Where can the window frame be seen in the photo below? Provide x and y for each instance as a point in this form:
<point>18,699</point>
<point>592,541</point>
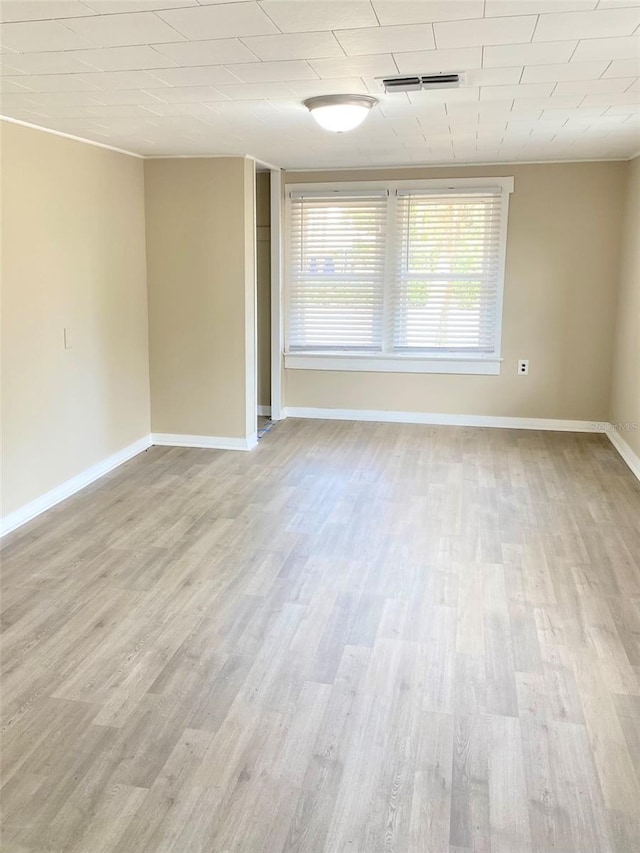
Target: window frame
<point>388,362</point>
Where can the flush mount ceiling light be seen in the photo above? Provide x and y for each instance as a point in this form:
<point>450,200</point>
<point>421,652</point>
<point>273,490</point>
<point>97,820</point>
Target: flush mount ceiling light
<point>340,112</point>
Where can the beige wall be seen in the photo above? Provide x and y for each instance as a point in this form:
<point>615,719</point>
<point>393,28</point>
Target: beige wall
<point>263,275</point>
<point>559,305</point>
<point>72,256</point>
<point>625,382</point>
<point>200,245</point>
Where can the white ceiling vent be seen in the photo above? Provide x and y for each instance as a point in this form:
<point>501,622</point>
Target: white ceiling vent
<point>418,82</point>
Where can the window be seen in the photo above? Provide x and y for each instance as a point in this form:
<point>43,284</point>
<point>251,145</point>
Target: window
<point>397,277</point>
<point>337,272</point>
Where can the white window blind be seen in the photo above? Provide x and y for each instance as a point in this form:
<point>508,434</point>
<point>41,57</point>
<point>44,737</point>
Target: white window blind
<point>399,272</point>
<point>448,270</point>
<point>336,271</point>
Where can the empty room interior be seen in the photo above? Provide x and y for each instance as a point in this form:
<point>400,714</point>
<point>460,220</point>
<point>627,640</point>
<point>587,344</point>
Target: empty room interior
<point>320,367</point>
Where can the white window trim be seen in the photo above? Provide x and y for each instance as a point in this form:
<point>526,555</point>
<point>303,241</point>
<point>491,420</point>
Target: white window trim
<point>444,362</point>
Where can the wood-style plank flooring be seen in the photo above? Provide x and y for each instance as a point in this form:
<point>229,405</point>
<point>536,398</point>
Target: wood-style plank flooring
<point>358,638</point>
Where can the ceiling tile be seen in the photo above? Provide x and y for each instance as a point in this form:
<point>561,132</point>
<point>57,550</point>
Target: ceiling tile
<point>586,25</point>
<point>127,29</point>
<point>189,109</point>
<point>58,83</point>
<point>425,11</point>
<point>531,116</point>
<point>618,68</point>
<point>565,102</point>
<point>439,96</point>
<point>118,80</point>
<point>294,46</point>
<point>97,111</point>
<point>19,100</point>
<point>67,98</point>
<point>41,10</point>
<point>608,48</point>
<point>64,62</point>
<point>208,52</point>
<point>357,66</point>
<point>536,7</point>
<point>186,94</point>
<point>200,75</point>
<point>430,114</point>
<point>371,40</point>
<point>292,16</point>
<point>543,53</point>
<point>563,71</point>
<point>255,91</point>
<point>128,96</point>
<point>530,90</point>
<point>585,117</point>
<point>624,109</point>
<point>8,70</point>
<point>477,109</point>
<point>85,128</point>
<point>37,36</point>
<point>123,58</point>
<point>567,114</point>
<point>274,72</point>
<point>216,22</point>
<point>337,86</point>
<point>396,106</point>
<point>245,108</point>
<point>492,76</point>
<point>593,87</point>
<point>485,31</point>
<point>11,85</point>
<point>613,4</point>
<point>434,61</point>
<point>112,7</point>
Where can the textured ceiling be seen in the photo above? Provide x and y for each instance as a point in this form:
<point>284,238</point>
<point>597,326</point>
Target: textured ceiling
<point>545,79</point>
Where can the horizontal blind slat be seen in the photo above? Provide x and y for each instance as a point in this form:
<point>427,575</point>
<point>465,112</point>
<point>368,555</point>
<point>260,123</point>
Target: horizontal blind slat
<point>447,269</point>
<point>336,259</point>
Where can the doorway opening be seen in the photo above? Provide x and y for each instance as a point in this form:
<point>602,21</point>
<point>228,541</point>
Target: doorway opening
<point>267,366</point>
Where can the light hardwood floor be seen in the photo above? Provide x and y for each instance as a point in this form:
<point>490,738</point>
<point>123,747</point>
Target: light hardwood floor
<point>358,637</point>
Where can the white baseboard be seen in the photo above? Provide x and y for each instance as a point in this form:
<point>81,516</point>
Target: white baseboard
<point>29,511</point>
<point>26,513</point>
<point>209,442</point>
<point>36,507</point>
<point>434,419</point>
<point>264,411</point>
<point>629,456</point>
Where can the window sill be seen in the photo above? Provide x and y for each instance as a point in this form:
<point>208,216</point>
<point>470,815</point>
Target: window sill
<point>466,364</point>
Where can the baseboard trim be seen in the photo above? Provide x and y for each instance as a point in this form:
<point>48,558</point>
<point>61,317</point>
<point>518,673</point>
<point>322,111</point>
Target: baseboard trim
<point>435,419</point>
<point>207,442</point>
<point>629,455</point>
<point>65,490</point>
<point>264,411</point>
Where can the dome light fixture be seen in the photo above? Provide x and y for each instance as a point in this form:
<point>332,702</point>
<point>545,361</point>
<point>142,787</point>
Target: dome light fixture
<point>340,113</point>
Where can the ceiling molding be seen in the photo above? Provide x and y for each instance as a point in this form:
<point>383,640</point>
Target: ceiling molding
<point>71,136</point>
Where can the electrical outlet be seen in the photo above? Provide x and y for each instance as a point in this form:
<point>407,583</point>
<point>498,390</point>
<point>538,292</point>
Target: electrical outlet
<point>523,367</point>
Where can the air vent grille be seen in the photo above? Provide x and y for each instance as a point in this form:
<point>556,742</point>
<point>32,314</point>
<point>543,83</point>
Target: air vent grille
<point>418,82</point>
